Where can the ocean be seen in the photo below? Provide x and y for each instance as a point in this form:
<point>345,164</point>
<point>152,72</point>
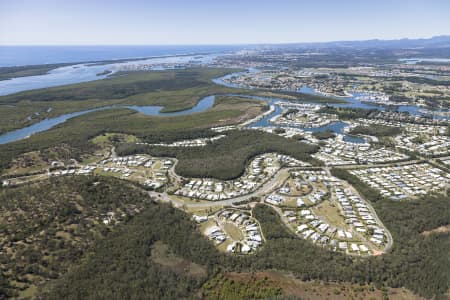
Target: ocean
<point>76,73</point>
<point>36,55</point>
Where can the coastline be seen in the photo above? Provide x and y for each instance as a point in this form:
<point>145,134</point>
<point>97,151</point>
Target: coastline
<point>44,69</point>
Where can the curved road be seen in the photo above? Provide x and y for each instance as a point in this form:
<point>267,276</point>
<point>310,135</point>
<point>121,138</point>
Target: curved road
<point>265,189</point>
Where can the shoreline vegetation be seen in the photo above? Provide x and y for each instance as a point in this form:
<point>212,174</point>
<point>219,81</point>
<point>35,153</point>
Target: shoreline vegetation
<point>7,73</point>
<point>175,90</point>
<point>42,69</point>
<point>106,72</point>
<point>76,133</point>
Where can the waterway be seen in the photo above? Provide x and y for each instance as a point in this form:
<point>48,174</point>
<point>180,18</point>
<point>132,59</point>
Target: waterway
<point>47,124</point>
<point>413,61</point>
<point>350,102</point>
<point>94,71</point>
<point>336,127</point>
<point>206,103</point>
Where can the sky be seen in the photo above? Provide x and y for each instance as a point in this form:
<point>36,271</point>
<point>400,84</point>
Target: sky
<point>190,22</point>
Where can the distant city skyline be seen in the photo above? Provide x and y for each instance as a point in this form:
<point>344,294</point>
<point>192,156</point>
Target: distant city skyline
<point>196,22</point>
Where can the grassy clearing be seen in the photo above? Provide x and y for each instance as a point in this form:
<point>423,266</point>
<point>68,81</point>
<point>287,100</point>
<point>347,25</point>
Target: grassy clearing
<point>204,211</point>
<point>438,230</point>
<point>289,286</point>
<point>203,226</point>
<point>107,139</point>
<point>297,190</point>
<point>233,231</point>
<point>29,292</point>
<point>330,213</point>
<point>188,200</point>
<point>225,287</point>
<point>30,162</point>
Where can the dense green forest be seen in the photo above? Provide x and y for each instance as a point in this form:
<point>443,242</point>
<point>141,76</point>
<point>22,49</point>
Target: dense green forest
<point>347,113</point>
<point>121,267</point>
<point>421,80</point>
<point>47,227</point>
<point>76,134</point>
<point>123,85</point>
<point>369,192</point>
<point>126,265</point>
<point>416,262</point>
<point>376,130</point>
<point>323,135</point>
<point>225,158</point>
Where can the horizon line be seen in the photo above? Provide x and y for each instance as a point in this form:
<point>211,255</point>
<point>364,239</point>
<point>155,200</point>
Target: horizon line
<point>230,44</point>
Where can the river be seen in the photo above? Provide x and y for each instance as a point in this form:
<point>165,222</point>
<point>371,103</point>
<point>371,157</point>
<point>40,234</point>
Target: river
<point>47,124</point>
<point>206,103</point>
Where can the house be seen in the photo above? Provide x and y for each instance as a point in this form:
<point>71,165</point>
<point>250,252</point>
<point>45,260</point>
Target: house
<point>211,230</point>
<point>302,227</point>
<point>200,219</point>
<point>342,245</point>
<point>300,202</point>
<point>354,247</point>
<point>245,248</point>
